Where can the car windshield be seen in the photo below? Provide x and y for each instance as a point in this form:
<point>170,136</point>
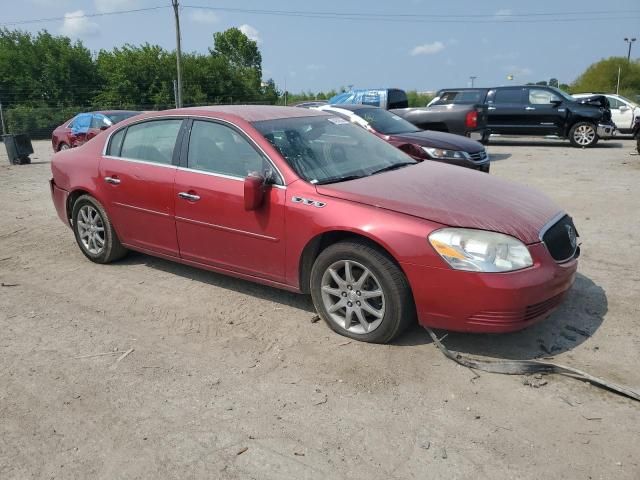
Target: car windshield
<point>385,122</point>
<point>120,116</point>
<point>326,149</point>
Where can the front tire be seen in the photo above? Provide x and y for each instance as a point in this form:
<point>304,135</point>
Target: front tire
<point>94,233</point>
<point>63,146</point>
<point>583,135</point>
<point>361,293</point>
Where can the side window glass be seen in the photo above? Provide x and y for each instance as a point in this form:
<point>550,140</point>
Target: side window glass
<point>115,143</point>
<point>219,149</point>
<point>614,102</point>
<point>509,95</point>
<point>81,123</point>
<point>72,123</point>
<point>152,141</point>
<point>99,121</point>
<point>542,97</point>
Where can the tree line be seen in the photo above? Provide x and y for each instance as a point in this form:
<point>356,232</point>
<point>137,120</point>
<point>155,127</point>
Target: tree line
<point>46,79</point>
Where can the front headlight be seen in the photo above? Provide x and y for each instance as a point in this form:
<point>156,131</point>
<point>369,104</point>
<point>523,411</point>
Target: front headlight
<point>479,250</point>
<point>442,154</point>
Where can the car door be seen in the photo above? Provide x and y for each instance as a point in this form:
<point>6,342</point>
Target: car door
<point>545,114</point>
<point>506,108</point>
<point>137,174</point>
<point>212,224</point>
<point>621,113</point>
<point>98,123</point>
<point>79,129</point>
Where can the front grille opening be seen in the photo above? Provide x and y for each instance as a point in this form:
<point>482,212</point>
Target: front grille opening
<point>562,240</point>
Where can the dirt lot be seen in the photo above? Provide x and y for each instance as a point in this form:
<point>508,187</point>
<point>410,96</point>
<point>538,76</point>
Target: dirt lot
<point>232,380</point>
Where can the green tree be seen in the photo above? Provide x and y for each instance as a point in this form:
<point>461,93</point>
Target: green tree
<point>602,76</point>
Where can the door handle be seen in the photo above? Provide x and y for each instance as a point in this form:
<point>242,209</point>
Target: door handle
<point>491,108</point>
<point>529,108</point>
<point>112,180</point>
<point>189,196</point>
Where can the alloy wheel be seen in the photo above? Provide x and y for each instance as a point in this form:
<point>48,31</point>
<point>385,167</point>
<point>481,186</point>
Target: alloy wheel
<point>353,297</point>
<point>91,229</point>
<point>584,135</point>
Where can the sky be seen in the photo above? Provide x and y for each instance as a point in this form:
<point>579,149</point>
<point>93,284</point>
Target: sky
<point>410,44</point>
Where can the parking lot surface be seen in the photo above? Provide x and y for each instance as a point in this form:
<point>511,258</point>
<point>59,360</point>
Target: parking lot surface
<point>228,379</point>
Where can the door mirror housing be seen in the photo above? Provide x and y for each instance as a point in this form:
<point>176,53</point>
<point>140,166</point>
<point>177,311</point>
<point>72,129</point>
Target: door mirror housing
<point>556,103</point>
<point>254,187</point>
<point>623,108</point>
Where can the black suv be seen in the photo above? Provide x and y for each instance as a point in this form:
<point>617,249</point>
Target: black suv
<point>541,110</point>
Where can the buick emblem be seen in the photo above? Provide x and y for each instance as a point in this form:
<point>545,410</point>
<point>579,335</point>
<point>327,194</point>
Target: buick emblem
<point>571,232</point>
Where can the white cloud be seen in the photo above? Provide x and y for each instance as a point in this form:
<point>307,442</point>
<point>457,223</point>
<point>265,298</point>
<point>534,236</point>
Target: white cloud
<point>250,32</point>
<point>200,15</point>
<point>427,49</point>
<point>105,6</point>
<point>75,25</point>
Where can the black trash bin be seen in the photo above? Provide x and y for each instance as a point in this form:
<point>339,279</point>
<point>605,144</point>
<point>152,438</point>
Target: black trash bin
<point>18,148</point>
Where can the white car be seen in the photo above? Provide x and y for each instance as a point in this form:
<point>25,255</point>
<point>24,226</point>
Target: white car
<point>623,110</point>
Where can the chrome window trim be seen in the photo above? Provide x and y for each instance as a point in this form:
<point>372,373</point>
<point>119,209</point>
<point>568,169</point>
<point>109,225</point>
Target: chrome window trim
<point>144,162</point>
<point>222,175</point>
<point>187,117</point>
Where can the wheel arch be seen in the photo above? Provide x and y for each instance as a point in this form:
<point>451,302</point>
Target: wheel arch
<point>325,239</point>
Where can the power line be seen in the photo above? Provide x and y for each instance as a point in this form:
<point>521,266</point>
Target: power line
<point>558,17</point>
<point>86,15</point>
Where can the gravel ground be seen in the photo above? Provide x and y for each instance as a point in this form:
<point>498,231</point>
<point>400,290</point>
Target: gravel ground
<point>232,380</point>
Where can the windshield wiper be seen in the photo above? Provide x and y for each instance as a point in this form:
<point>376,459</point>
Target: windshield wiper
<point>395,166</point>
<point>339,179</point>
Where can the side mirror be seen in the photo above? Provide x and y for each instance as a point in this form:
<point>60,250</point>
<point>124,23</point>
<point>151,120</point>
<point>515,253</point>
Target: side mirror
<point>556,103</point>
<point>623,108</point>
<point>103,127</point>
<point>254,186</point>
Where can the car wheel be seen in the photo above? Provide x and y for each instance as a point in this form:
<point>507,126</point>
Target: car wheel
<point>583,134</point>
<point>94,233</point>
<point>361,293</point>
<point>63,146</point>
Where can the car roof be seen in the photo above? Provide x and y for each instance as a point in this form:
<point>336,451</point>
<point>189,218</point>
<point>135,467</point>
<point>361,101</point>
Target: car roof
<point>249,113</point>
<point>351,107</point>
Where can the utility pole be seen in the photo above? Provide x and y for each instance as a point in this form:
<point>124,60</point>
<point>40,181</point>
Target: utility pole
<point>4,130</point>
<point>630,42</point>
<point>178,53</point>
<point>473,78</point>
<point>618,84</point>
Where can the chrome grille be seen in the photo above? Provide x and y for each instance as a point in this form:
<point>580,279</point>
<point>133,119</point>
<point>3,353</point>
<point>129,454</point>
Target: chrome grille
<point>479,157</point>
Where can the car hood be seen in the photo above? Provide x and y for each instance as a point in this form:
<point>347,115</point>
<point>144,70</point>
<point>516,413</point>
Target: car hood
<point>453,196</point>
<point>449,141</point>
<point>596,100</point>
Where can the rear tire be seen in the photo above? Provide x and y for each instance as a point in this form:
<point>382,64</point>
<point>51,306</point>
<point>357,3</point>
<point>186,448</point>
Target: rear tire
<point>94,233</point>
<point>367,297</point>
<point>583,135</point>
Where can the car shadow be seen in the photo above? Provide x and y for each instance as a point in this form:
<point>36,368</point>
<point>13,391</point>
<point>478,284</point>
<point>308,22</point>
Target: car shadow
<point>571,324</point>
<point>534,142</point>
<point>496,157</point>
<point>291,299</point>
<point>574,322</point>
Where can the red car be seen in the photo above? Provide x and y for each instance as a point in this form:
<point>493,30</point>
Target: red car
<point>85,126</point>
<point>306,201</point>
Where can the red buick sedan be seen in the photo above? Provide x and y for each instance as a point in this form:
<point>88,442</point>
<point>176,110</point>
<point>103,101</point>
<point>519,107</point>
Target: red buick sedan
<point>304,200</point>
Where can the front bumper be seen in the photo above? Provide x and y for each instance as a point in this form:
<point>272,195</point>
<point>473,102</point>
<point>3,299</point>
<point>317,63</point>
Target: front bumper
<point>607,130</point>
<point>490,302</point>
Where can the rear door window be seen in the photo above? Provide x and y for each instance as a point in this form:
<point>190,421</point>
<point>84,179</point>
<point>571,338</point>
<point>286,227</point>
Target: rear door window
<point>99,121</point>
<point>509,95</point>
<point>115,143</point>
<point>152,141</point>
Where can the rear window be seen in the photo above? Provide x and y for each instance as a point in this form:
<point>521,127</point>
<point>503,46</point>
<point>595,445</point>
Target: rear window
<point>465,97</point>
